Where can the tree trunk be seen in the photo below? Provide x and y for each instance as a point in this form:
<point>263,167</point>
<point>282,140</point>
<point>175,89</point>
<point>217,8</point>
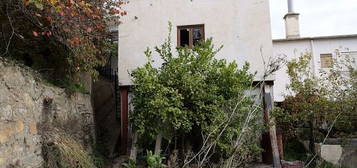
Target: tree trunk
<point>268,106</point>
<point>274,146</point>
<point>312,138</point>
<point>134,147</point>
<point>158,144</point>
<point>312,141</point>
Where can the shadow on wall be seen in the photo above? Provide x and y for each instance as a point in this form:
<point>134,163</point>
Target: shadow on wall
<point>350,159</point>
<point>106,119</point>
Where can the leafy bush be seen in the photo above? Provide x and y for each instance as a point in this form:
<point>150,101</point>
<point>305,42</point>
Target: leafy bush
<point>193,93</point>
<point>129,164</point>
<point>154,161</point>
<point>294,150</point>
<point>325,102</point>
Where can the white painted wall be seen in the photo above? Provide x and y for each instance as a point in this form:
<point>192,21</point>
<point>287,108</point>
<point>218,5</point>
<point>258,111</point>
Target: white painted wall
<point>242,26</point>
<point>296,47</point>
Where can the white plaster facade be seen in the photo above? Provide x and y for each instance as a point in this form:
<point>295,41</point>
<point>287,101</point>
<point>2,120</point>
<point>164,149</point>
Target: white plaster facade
<point>295,47</point>
<point>241,26</point>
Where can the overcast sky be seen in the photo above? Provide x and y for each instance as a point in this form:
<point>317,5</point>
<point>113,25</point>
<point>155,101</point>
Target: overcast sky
<point>317,17</point>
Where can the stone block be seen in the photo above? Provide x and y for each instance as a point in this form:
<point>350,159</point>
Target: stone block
<point>331,153</point>
<point>33,128</point>
<point>10,128</point>
<point>2,161</point>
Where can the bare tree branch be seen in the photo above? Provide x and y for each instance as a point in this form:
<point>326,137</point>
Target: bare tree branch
<point>12,32</point>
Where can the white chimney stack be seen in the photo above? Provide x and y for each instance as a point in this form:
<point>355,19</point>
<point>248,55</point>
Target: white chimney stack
<point>292,26</point>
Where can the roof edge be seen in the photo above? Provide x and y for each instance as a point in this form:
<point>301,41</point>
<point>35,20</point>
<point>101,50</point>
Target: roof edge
<point>316,38</point>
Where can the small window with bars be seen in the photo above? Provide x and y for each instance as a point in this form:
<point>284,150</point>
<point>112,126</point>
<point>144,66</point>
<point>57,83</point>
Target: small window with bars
<point>326,60</point>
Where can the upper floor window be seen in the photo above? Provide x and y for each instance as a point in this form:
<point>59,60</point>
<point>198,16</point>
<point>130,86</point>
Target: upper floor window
<point>188,36</point>
<point>326,60</point>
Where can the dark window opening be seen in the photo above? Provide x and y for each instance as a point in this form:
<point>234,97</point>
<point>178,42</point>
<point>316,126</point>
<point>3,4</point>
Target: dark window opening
<point>184,36</point>
<point>188,36</point>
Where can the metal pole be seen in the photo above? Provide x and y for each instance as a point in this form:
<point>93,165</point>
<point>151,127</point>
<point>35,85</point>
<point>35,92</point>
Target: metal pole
<point>290,6</point>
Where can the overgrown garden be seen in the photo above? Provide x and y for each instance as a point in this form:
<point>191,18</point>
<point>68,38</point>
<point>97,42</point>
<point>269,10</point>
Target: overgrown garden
<point>318,107</point>
<point>194,109</point>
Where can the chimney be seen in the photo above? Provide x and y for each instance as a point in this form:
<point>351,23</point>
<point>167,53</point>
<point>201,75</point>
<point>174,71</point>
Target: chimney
<point>292,26</point>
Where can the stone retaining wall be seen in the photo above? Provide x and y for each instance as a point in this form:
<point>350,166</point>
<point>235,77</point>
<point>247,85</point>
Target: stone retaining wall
<point>27,104</point>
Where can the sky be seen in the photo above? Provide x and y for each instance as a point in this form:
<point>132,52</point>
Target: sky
<point>317,17</point>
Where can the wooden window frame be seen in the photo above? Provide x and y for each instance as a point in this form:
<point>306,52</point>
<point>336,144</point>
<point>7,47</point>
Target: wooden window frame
<point>326,55</point>
<point>190,38</point>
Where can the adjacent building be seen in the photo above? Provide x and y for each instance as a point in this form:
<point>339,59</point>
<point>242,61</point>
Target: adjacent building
<point>323,50</point>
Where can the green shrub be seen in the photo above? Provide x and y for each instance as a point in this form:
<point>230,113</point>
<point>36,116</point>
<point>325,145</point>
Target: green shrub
<point>154,161</point>
<point>130,164</point>
<point>295,150</point>
<point>196,96</point>
<point>56,42</point>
